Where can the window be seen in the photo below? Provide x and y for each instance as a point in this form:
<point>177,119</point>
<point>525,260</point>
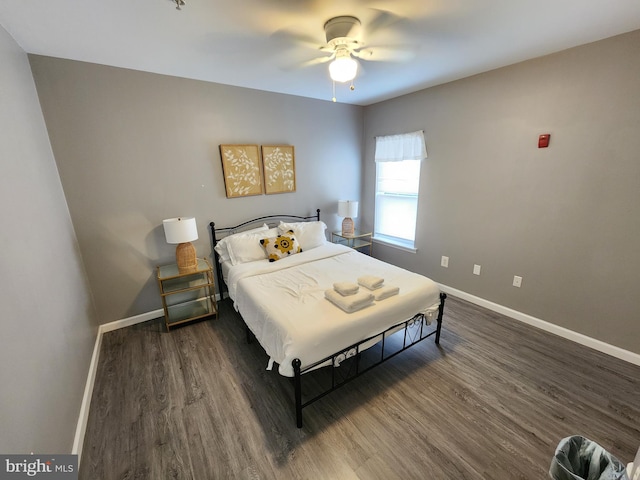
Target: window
<point>396,207</point>
<point>398,159</point>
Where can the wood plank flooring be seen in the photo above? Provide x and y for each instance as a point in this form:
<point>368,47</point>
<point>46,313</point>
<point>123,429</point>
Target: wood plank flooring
<point>491,402</point>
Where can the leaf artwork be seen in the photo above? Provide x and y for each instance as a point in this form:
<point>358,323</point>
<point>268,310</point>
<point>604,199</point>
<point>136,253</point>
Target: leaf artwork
<point>241,170</point>
<point>279,169</point>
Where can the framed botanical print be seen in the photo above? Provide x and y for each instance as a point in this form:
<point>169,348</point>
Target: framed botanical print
<point>279,167</point>
<point>241,169</point>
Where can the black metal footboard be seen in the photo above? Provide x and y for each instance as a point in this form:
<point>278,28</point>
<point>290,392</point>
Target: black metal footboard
<point>414,332</point>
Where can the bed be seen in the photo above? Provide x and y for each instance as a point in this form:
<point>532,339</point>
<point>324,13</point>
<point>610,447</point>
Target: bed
<point>283,304</point>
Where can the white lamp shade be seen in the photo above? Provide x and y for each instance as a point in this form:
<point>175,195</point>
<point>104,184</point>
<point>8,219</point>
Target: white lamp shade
<point>180,229</point>
<point>343,68</point>
<point>347,208</point>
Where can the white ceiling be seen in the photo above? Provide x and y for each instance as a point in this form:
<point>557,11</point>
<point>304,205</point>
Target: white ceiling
<point>256,43</point>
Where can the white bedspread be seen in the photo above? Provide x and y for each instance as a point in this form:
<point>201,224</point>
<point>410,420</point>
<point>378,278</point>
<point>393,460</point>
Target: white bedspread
<point>284,306</point>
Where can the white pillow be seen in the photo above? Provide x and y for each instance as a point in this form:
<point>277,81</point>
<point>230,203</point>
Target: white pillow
<point>247,248</point>
<point>222,245</point>
<point>309,234</point>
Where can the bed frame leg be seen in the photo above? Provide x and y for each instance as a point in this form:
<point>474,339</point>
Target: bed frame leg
<point>298,390</point>
<point>443,297</point>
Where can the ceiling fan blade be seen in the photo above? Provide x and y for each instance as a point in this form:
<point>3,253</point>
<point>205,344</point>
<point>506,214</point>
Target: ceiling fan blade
<point>294,49</point>
<point>306,63</point>
<point>385,54</point>
<point>381,20</point>
<point>289,38</point>
<point>316,61</point>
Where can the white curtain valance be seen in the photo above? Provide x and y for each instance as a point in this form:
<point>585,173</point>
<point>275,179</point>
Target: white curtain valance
<point>395,148</point>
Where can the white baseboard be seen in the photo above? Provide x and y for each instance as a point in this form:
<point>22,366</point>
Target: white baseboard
<point>127,322</point>
<point>590,342</point>
<point>81,426</point>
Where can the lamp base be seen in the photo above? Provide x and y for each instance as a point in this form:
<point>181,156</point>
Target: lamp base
<point>186,258</point>
<point>347,226</point>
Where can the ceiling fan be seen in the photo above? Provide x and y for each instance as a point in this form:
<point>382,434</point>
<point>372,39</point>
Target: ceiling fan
<point>342,35</point>
<point>345,47</point>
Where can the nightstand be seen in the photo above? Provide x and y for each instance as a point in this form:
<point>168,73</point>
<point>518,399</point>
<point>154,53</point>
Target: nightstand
<point>187,296</point>
<point>358,241</point>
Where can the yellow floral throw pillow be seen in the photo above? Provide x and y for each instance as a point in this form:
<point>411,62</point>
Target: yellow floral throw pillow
<point>281,246</point>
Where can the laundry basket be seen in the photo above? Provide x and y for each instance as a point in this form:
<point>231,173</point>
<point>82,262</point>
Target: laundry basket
<point>578,458</point>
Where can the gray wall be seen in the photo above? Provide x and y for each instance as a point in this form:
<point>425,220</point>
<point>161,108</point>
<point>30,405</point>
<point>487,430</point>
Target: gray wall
<point>48,320</point>
<point>565,218</point>
<point>134,148</point>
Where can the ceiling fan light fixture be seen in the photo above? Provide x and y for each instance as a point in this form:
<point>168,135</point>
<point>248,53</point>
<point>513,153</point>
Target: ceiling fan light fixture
<point>343,68</point>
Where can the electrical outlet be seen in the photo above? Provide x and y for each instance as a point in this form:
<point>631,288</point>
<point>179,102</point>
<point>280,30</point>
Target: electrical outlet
<point>444,262</point>
<point>476,269</point>
<point>517,281</point>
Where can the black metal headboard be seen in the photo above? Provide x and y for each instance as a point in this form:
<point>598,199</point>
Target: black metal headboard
<point>268,219</point>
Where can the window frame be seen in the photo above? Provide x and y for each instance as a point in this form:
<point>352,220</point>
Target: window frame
<point>391,149</point>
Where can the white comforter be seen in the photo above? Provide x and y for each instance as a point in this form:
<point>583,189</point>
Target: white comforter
<point>284,306</point>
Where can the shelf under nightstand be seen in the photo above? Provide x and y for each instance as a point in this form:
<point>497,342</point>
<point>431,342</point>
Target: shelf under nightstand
<point>358,241</point>
<point>187,296</point>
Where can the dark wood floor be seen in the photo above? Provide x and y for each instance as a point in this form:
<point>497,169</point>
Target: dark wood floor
<point>492,402</point>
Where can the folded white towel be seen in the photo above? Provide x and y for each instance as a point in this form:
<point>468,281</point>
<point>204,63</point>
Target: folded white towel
<point>346,288</point>
<point>385,292</point>
<point>351,303</point>
<point>370,281</point>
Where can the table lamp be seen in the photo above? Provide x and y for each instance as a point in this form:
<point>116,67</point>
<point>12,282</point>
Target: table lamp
<point>182,230</point>
<point>347,209</point>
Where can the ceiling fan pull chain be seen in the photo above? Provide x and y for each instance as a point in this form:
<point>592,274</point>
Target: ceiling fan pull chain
<point>334,90</point>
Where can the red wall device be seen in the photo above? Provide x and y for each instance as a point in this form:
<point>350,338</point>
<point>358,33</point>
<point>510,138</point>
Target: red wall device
<point>543,141</point>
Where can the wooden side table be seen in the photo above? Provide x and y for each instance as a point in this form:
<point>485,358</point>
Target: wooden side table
<point>187,296</point>
<point>358,241</point>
